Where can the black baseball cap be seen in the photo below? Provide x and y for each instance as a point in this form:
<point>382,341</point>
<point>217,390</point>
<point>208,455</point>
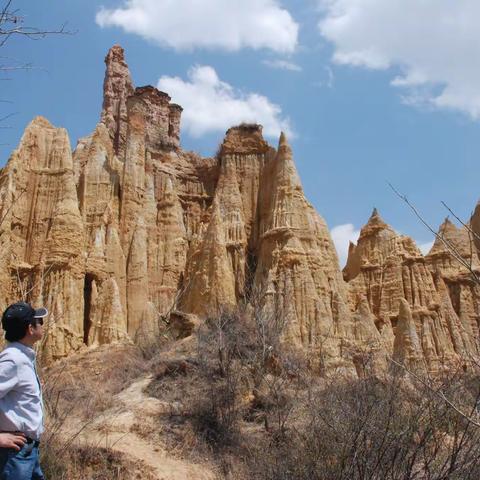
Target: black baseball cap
<point>21,312</point>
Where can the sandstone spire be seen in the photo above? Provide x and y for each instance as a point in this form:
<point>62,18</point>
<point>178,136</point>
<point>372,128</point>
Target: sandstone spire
<point>42,233</point>
<point>117,87</point>
<point>297,265</point>
<point>390,269</point>
<point>133,183</point>
<point>228,198</point>
<point>364,324</point>
<point>407,349</point>
<point>245,149</point>
<point>133,227</point>
<point>210,281</point>
<point>98,173</point>
<point>161,118</point>
<point>376,242</point>
<point>137,282</point>
<point>211,263</point>
<point>168,246</point>
<point>449,242</point>
<point>475,225</point>
<point>107,315</point>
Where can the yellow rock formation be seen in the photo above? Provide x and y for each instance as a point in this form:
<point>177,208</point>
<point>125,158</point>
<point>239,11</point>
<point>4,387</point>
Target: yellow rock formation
<point>131,227</point>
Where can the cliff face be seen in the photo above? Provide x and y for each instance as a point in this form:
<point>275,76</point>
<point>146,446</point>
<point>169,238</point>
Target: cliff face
<point>425,307</point>
<point>131,227</point>
<point>42,233</point>
<point>117,87</point>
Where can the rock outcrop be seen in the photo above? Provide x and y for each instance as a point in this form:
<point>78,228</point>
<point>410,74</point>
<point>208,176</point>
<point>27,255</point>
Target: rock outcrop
<point>132,231</point>
<point>42,233</point>
<point>117,87</point>
<point>425,307</point>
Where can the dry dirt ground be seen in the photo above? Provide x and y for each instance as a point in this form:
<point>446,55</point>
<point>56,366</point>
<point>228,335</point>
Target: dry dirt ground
<point>98,398</point>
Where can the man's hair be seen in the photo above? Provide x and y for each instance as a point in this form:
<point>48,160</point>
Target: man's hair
<point>17,331</point>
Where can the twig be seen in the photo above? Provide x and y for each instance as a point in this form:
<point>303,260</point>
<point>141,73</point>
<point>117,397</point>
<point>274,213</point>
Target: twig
<point>5,12</point>
<point>20,285</point>
<point>460,221</point>
<point>32,33</point>
<point>10,68</point>
<point>439,394</point>
<point>11,205</point>
<point>453,251</point>
<point>7,116</point>
<point>42,277</point>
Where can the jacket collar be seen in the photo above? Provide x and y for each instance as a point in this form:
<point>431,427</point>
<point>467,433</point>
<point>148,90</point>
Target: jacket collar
<point>29,352</point>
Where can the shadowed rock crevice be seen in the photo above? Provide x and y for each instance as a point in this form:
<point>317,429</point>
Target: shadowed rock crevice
<point>87,297</point>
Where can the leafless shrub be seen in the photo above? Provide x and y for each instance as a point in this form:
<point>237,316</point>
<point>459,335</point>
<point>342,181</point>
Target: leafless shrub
<point>76,393</point>
<point>150,341</point>
<point>377,429</point>
<point>152,338</point>
<point>82,384</point>
<point>239,375</point>
<point>263,414</point>
<point>90,463</point>
<point>222,345</point>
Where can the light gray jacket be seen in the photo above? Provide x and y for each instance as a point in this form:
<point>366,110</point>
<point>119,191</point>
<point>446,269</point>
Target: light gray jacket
<point>21,406</point>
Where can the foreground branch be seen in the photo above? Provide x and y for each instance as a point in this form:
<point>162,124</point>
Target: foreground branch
<point>438,393</point>
<point>451,248</point>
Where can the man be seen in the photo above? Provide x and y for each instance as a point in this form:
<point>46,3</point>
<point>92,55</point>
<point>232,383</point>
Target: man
<point>21,408</point>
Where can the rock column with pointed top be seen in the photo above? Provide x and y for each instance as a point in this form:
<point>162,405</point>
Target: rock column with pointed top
<point>133,228</point>
<point>42,234</point>
<point>389,270</point>
<point>117,87</point>
<point>297,274</point>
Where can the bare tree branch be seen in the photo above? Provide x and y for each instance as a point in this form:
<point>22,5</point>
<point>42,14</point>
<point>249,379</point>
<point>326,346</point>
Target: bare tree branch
<point>460,221</point>
<point>2,119</point>
<point>14,200</point>
<point>438,393</point>
<point>451,248</point>
<point>11,68</point>
<point>6,12</point>
<point>12,24</point>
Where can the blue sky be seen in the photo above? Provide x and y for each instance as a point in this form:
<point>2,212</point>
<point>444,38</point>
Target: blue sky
<point>371,91</point>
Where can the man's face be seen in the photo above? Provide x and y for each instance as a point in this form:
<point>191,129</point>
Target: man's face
<point>35,330</point>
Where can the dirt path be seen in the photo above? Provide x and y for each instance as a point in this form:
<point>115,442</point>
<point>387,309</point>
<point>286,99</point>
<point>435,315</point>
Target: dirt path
<point>114,430</point>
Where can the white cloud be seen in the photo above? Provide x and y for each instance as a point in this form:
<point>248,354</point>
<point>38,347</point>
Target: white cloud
<point>329,78</point>
<point>190,24</point>
<point>212,105</point>
<point>432,43</point>
<point>283,65</point>
<point>425,247</point>
<point>342,235</point>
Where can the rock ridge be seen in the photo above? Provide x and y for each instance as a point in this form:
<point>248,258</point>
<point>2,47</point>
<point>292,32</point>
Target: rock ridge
<point>129,228</point>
